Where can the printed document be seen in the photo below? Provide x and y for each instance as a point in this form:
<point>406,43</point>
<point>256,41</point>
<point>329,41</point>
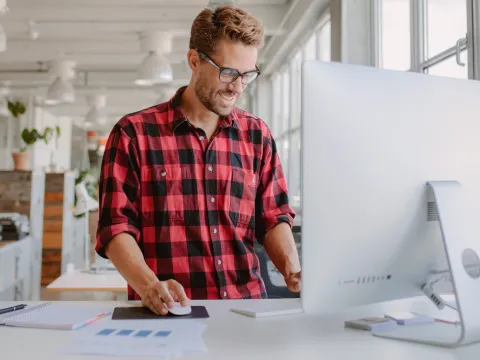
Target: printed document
<point>132,338</point>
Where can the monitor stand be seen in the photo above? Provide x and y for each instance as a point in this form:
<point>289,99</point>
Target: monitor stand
<point>462,239</point>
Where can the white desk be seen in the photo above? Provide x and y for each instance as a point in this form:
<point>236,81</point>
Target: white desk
<point>233,336</point>
<point>79,280</point>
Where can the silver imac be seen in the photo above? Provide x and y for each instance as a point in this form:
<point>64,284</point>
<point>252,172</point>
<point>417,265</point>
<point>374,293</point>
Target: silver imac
<point>390,190</point>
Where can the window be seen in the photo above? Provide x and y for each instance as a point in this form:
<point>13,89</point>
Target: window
<point>276,109</point>
<point>446,23</point>
<point>435,25</point>
<point>286,102</point>
<point>324,42</point>
<point>450,68</point>
<point>294,185</point>
<point>310,48</point>
<point>296,72</point>
<point>395,34</point>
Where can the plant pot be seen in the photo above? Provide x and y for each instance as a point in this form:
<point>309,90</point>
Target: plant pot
<point>21,160</point>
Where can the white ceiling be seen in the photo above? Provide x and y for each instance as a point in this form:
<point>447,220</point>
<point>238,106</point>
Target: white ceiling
<point>101,36</point>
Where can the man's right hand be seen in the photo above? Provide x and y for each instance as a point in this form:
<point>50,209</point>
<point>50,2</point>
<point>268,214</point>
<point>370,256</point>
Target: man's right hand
<point>160,296</point>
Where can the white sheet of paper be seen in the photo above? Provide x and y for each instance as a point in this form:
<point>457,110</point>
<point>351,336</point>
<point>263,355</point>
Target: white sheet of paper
<point>139,338</point>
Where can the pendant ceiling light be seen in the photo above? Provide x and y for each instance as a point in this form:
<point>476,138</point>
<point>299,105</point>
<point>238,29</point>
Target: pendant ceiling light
<point>3,7</point>
<point>61,91</point>
<point>155,68</point>
<point>97,114</point>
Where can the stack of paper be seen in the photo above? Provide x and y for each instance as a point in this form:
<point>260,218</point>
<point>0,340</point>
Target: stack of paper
<point>133,338</point>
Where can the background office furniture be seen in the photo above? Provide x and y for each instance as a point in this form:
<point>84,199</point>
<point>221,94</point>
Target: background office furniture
<point>81,280</point>
<point>16,270</point>
<point>23,192</point>
<point>61,245</point>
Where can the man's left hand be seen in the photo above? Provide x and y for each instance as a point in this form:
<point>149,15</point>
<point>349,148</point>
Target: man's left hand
<point>294,282</point>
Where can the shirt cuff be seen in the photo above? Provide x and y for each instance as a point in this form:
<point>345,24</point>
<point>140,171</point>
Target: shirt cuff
<point>105,234</point>
<point>271,222</point>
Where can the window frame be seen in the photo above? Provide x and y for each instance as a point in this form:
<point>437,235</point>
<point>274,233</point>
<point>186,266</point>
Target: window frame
<point>418,34</point>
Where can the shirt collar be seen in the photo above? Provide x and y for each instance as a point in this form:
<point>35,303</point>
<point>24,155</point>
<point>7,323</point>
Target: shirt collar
<point>177,118</point>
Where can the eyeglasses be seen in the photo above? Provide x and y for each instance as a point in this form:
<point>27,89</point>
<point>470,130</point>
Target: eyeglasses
<point>229,75</point>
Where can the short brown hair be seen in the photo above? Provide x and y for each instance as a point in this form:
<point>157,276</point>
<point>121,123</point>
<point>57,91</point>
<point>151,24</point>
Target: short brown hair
<point>226,22</point>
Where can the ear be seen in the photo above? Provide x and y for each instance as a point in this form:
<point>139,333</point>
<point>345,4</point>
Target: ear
<point>193,59</point>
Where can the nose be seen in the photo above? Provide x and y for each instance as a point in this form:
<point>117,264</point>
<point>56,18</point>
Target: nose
<point>237,86</point>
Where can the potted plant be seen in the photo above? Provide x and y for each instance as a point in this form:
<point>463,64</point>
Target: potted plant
<point>21,159</point>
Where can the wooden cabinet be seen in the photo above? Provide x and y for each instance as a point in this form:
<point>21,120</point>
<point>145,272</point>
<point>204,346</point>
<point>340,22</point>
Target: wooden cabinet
<point>58,225</point>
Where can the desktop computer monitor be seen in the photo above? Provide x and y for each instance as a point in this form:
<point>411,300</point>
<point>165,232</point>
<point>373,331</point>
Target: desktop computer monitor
<point>390,167</point>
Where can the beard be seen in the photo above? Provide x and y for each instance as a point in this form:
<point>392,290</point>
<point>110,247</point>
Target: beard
<point>214,99</point>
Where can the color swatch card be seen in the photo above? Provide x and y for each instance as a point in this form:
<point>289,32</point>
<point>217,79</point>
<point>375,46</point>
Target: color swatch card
<point>136,338</point>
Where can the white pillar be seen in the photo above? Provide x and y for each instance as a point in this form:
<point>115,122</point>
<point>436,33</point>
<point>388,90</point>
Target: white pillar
<point>353,31</point>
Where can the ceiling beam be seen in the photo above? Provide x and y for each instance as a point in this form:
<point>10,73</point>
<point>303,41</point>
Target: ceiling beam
<point>178,3</point>
<point>91,59</point>
<point>84,46</point>
<point>96,29</point>
<point>182,17</point>
<point>96,78</point>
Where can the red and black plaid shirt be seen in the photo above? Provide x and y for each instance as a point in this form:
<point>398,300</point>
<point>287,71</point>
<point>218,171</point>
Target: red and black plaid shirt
<point>194,207</point>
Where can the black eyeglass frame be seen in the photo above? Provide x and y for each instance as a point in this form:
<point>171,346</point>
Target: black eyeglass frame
<point>235,73</point>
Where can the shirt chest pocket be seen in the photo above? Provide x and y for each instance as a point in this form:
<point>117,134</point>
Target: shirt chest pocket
<point>242,195</point>
<point>162,193</point>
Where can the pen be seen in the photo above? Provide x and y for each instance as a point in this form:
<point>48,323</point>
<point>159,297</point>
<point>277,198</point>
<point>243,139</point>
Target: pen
<point>12,308</point>
<point>91,321</point>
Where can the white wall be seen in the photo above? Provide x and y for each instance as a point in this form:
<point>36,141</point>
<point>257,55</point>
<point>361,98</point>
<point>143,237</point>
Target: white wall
<point>61,149</point>
<point>40,153</point>
<point>5,140</point>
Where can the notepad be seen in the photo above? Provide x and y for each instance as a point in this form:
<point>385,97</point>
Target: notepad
<point>55,316</point>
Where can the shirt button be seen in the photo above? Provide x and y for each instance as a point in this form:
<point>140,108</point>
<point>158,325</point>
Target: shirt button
<point>224,294</point>
<point>210,168</point>
<point>219,262</point>
<point>201,138</point>
<point>212,200</point>
<point>215,231</point>
<point>164,173</point>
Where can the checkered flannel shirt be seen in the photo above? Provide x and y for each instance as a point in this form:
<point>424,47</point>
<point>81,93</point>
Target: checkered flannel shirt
<point>194,207</point>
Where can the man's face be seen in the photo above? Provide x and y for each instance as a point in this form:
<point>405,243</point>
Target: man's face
<point>215,94</point>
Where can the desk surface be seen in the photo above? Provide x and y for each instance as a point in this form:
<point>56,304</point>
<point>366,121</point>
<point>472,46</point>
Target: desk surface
<point>79,280</point>
<point>233,336</point>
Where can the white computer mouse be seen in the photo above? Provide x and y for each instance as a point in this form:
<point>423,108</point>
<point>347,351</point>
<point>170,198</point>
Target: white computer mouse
<point>178,309</point>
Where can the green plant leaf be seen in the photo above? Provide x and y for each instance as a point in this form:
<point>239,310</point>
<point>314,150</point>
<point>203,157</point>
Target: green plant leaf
<point>16,108</point>
<point>29,137</point>
<point>47,135</point>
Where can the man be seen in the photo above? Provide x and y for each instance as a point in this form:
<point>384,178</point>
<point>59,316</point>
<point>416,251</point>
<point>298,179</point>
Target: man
<point>188,185</point>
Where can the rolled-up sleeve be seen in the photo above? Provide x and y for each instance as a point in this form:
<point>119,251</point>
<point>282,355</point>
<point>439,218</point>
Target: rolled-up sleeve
<point>272,205</point>
<point>119,190</point>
